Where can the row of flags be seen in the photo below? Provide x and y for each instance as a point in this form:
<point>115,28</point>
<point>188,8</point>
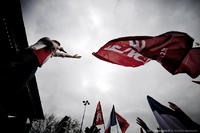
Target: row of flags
<point>168,120</point>
<point>114,118</point>
<point>173,50</point>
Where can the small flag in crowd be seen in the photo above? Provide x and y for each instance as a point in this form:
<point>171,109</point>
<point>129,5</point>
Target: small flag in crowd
<point>166,118</point>
<point>98,117</point>
<point>112,120</point>
<point>173,50</point>
<point>123,124</point>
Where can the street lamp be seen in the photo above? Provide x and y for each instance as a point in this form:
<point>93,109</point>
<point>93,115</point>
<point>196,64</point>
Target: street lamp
<point>85,103</point>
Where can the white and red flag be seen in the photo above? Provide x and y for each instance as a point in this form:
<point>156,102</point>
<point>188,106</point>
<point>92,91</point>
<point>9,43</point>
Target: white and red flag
<point>123,124</point>
<point>173,50</point>
<point>98,117</point>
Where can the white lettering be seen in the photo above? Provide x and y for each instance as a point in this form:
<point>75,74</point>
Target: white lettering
<point>136,45</point>
<point>98,117</point>
<point>116,48</point>
<point>135,55</point>
<point>163,52</point>
<point>130,52</point>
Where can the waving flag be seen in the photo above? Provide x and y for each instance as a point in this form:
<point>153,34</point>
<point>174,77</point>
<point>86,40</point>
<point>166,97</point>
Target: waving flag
<point>123,124</point>
<point>172,50</point>
<point>98,117</point>
<point>120,51</point>
<point>166,118</point>
<point>191,63</point>
<point>112,120</point>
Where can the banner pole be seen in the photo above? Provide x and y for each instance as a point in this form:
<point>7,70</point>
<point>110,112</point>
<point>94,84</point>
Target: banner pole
<point>117,128</point>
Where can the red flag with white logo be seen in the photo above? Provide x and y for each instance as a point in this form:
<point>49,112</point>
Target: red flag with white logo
<point>169,49</point>
<point>98,117</point>
<point>119,51</point>
<point>123,124</point>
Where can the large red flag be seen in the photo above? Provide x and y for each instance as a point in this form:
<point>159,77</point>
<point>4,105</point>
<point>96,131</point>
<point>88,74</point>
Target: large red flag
<point>98,117</point>
<point>123,124</point>
<point>169,49</point>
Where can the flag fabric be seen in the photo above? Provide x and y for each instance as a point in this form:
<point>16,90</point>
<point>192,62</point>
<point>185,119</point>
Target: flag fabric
<point>123,124</point>
<point>112,120</point>
<point>119,51</point>
<point>166,117</point>
<point>191,63</point>
<point>98,117</point>
<point>169,49</point>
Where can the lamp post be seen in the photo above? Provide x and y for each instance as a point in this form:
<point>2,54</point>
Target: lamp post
<point>85,103</point>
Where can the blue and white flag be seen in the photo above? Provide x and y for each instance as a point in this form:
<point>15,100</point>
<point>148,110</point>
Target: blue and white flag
<point>112,121</point>
<point>166,117</point>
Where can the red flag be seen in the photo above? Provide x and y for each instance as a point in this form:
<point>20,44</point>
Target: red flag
<point>123,124</point>
<point>191,63</point>
<point>98,117</point>
<point>119,52</point>
<point>169,49</point>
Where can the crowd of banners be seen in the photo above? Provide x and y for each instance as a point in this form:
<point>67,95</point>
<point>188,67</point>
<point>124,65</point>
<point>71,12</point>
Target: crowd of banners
<point>173,50</point>
<point>171,120</point>
<point>114,117</point>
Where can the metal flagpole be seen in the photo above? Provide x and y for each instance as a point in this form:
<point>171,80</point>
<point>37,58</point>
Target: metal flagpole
<point>104,126</point>
<point>85,104</point>
<point>103,121</point>
<point>117,128</point>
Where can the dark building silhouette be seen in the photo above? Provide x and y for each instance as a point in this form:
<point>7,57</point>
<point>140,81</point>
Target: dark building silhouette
<point>17,105</point>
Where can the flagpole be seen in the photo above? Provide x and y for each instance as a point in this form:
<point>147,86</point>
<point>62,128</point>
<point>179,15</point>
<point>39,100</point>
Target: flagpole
<point>85,104</point>
<point>117,128</point>
<point>103,122</point>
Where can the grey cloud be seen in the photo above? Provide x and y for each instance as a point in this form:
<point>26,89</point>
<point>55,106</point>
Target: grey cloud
<point>83,27</point>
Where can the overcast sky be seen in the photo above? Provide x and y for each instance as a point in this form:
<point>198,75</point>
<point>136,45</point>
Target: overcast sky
<point>82,27</point>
